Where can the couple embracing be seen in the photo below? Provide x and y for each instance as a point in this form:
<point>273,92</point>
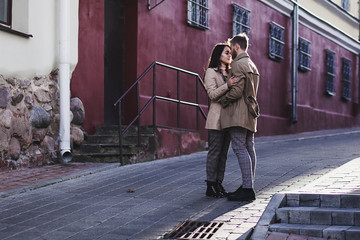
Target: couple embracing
<point>231,81</point>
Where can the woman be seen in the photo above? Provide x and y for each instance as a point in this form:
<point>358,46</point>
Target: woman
<point>219,140</point>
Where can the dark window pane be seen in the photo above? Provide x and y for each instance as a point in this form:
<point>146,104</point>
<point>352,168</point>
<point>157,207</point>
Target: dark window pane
<point>4,5</point>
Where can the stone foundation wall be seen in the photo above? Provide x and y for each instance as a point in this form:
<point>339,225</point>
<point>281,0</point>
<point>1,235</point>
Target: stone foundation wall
<point>29,121</point>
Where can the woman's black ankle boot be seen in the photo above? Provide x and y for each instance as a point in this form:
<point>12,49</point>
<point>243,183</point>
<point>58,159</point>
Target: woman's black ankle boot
<point>213,190</point>
<point>222,189</point>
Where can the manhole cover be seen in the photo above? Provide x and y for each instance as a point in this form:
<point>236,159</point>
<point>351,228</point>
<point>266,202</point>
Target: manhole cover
<point>194,230</point>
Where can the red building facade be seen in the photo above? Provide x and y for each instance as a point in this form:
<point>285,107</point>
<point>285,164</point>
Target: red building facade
<point>120,39</point>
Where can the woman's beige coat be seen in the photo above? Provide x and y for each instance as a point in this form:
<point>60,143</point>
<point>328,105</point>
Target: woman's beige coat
<point>215,87</point>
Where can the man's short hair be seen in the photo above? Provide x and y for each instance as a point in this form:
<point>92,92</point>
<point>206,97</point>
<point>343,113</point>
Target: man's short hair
<point>241,39</point>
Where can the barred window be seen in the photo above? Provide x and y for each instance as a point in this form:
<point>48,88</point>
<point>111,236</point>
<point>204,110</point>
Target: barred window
<point>5,12</point>
<point>276,42</point>
<point>198,13</point>
<point>345,4</point>
<point>346,79</point>
<point>241,20</point>
<point>304,54</point>
<point>330,72</point>
<point>154,3</point>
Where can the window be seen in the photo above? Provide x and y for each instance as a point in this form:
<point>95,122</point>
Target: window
<point>5,12</point>
<point>330,72</point>
<point>241,20</point>
<point>198,13</point>
<point>276,42</point>
<point>304,54</point>
<point>154,3</point>
<point>15,10</point>
<point>345,4</point>
<point>346,79</point>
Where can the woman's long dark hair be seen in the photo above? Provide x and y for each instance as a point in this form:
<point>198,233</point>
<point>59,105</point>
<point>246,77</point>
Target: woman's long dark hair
<point>214,60</point>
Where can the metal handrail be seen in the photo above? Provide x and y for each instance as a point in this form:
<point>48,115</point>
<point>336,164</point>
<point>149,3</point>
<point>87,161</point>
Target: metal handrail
<point>153,101</point>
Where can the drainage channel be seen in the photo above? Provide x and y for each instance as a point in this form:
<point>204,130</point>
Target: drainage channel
<point>194,230</point>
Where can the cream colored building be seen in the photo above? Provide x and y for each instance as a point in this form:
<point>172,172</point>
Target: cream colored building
<point>38,53</point>
<point>341,14</point>
<point>29,42</point>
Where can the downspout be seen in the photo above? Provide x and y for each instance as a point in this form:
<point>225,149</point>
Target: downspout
<point>64,74</point>
<point>294,67</point>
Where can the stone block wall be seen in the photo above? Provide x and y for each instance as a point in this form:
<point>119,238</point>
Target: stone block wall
<point>29,121</point>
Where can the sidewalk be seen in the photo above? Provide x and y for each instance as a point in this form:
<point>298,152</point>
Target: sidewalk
<point>24,179</point>
<point>144,201</point>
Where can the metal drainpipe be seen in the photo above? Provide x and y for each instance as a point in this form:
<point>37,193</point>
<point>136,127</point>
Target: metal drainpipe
<point>64,74</point>
<point>294,67</point>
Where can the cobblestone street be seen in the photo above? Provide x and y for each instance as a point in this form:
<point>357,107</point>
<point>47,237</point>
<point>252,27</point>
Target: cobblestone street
<point>144,201</point>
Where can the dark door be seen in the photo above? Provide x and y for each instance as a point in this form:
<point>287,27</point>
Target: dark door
<point>114,58</point>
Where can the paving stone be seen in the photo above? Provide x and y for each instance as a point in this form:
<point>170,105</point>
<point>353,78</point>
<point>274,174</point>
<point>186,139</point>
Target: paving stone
<point>260,232</point>
<point>342,218</point>
<point>292,200</point>
<point>337,232</point>
<point>357,219</point>
<point>330,200</point>
<point>312,230</point>
<point>297,237</point>
<point>320,217</point>
<point>317,238</point>
<point>282,215</point>
<point>310,200</point>
<point>299,216</point>
<point>277,236</point>
<point>349,201</point>
<point>353,233</point>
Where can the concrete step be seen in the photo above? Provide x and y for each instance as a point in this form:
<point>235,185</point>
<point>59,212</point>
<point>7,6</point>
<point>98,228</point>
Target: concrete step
<point>109,148</point>
<point>114,130</point>
<point>114,139</point>
<point>319,216</point>
<point>320,231</point>
<point>323,200</point>
<point>98,157</point>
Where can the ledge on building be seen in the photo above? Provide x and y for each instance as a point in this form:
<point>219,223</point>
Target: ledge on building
<point>21,34</point>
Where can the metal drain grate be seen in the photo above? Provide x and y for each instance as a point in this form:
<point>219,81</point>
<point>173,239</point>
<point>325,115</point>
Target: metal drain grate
<point>194,230</point>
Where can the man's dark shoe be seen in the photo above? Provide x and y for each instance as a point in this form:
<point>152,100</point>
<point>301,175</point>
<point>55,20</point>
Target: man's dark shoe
<point>245,194</point>
<point>213,190</point>
<point>237,190</point>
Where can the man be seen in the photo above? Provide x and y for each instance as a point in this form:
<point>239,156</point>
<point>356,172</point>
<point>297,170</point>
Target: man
<point>239,115</point>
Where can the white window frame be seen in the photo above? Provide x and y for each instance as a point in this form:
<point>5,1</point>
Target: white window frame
<point>198,13</point>
<point>330,72</point>
<point>304,54</point>
<point>346,79</point>
<point>276,41</point>
<point>241,20</point>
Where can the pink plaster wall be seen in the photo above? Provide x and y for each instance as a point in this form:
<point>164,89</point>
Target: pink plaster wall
<point>87,81</point>
<point>164,35</point>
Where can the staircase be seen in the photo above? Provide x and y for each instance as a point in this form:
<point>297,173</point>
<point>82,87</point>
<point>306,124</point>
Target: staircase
<point>103,146</point>
<point>321,216</point>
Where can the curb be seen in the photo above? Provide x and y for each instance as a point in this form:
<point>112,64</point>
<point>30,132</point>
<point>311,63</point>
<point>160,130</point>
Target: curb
<point>267,218</point>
